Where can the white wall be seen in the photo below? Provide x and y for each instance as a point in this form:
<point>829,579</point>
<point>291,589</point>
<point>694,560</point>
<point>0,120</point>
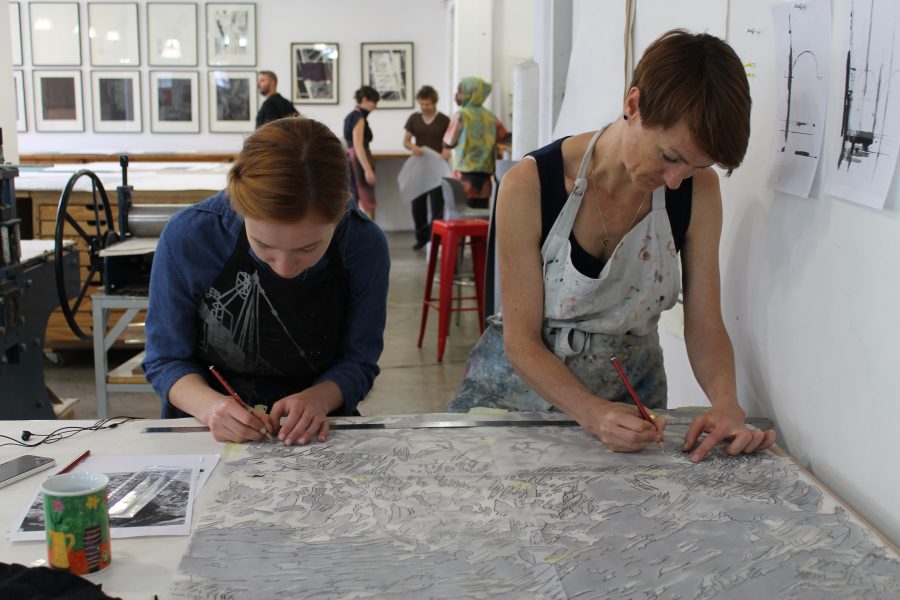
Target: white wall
<point>810,294</point>
<point>513,43</point>
<point>7,100</point>
<point>279,22</point>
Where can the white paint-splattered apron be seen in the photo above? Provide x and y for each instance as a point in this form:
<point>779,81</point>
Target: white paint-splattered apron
<point>587,320</point>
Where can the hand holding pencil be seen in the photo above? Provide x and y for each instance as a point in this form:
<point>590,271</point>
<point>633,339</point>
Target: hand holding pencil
<point>645,414</point>
<point>259,423</point>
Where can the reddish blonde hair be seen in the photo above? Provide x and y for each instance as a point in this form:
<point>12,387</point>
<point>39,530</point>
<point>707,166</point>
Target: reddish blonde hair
<point>288,169</point>
<point>698,79</point>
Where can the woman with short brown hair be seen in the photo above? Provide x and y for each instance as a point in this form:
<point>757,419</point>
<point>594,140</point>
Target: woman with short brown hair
<point>589,229</point>
<point>276,283</point>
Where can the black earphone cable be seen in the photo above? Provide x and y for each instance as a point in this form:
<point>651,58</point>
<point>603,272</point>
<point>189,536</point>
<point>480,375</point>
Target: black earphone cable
<point>62,433</point>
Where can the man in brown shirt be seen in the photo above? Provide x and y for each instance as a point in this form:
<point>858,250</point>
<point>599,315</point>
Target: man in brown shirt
<point>427,128</point>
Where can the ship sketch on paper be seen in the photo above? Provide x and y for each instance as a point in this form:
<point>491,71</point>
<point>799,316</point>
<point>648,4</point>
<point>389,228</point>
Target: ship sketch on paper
<point>511,513</point>
<point>801,38</point>
<point>866,155</point>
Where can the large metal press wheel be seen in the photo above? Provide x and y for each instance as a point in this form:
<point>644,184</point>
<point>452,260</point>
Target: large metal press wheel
<point>101,235</point>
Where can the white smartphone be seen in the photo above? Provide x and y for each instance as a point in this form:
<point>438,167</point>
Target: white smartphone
<point>22,467</point>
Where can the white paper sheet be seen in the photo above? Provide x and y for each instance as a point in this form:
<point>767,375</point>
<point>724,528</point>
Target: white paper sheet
<point>802,39</point>
<point>866,138</point>
<point>420,174</point>
<point>172,480</point>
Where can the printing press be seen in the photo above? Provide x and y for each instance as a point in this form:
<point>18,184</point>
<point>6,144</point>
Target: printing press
<point>30,272</point>
<point>118,256</point>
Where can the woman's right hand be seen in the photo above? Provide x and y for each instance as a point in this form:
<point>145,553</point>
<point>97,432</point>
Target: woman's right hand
<point>621,428</point>
<point>370,177</point>
<point>230,421</point>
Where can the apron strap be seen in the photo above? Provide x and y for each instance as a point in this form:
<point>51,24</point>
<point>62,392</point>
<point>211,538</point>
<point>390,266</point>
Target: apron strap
<point>659,198</point>
<point>563,225</point>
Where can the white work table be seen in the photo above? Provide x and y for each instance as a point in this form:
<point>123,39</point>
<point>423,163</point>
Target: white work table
<point>482,512</point>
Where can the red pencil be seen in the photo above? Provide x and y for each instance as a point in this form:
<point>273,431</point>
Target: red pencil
<point>645,414</point>
<point>234,395</point>
<point>75,462</point>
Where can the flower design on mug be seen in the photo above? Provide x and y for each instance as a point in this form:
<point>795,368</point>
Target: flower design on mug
<point>58,505</point>
<point>92,502</point>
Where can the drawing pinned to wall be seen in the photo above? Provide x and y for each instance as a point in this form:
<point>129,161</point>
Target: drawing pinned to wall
<point>802,38</point>
<point>865,154</point>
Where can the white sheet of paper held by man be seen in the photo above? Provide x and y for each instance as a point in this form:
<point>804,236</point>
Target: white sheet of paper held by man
<point>421,174</point>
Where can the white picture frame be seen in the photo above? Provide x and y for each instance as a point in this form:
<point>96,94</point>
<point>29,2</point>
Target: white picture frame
<point>58,101</point>
<point>315,72</point>
<point>231,34</point>
<point>171,34</point>
<point>233,101</point>
<point>174,102</point>
<point>21,115</point>
<point>15,33</point>
<point>116,101</point>
<point>113,34</point>
<point>55,34</point>
<point>388,67</point>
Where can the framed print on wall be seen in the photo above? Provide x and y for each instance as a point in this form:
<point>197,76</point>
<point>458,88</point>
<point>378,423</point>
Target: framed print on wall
<point>15,33</point>
<point>55,34</point>
<point>314,73</point>
<point>174,102</point>
<point>19,85</point>
<point>113,34</point>
<point>57,101</point>
<point>232,101</point>
<point>388,67</point>
<point>231,35</point>
<point>172,34</point>
<point>116,99</point>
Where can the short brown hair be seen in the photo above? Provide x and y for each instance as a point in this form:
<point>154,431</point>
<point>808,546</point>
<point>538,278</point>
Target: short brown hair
<point>367,92</point>
<point>427,93</point>
<point>270,74</point>
<point>290,168</point>
<point>698,79</point>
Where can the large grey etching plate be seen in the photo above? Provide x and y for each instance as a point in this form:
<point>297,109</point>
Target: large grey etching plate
<point>521,513</point>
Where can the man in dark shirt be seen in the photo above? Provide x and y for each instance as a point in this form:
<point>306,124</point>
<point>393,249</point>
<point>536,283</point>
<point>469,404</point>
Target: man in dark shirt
<point>276,105</point>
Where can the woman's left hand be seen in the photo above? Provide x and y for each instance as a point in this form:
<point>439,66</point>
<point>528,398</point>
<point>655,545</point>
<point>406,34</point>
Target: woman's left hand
<point>306,418</point>
<point>723,423</point>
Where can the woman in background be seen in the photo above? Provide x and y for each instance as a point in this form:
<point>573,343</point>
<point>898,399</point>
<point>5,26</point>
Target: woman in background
<point>473,135</point>
<point>427,128</point>
<point>358,137</point>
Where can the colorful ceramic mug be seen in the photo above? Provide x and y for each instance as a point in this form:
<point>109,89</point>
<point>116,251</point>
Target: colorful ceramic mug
<point>76,518</point>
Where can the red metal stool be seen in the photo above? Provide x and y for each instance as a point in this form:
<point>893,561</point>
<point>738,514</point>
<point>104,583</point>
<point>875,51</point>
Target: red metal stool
<point>446,238</point>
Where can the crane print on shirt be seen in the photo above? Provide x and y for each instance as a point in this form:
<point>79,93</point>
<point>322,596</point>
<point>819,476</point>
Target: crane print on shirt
<point>232,327</point>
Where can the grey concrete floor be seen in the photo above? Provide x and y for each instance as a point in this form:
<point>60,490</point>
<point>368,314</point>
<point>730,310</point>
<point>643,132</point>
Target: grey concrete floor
<point>411,379</point>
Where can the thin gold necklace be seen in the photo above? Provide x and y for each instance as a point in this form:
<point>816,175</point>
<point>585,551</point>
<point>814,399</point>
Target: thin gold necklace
<point>606,237</point>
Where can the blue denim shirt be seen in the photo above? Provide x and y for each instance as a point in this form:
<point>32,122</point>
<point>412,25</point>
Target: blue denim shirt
<point>193,250</point>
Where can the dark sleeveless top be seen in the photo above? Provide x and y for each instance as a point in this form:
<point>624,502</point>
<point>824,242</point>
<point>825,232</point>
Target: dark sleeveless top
<point>551,173</point>
<point>350,122</point>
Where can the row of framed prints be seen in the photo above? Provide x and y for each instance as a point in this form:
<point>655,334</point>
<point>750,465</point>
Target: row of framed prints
<point>55,33</point>
<point>116,101</point>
